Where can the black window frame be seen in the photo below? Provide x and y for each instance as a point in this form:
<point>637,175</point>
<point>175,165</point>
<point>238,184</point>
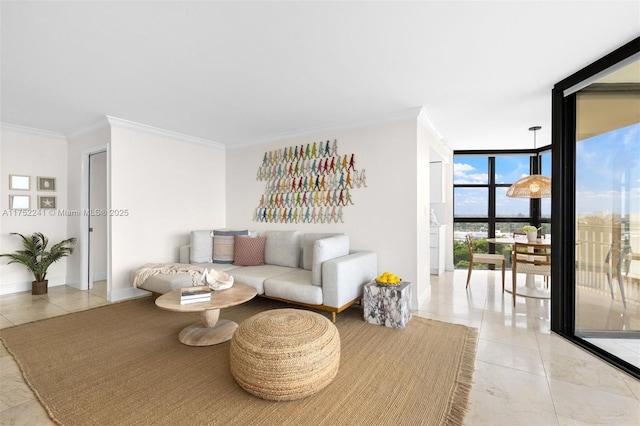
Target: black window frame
<point>535,211</point>
<point>563,142</point>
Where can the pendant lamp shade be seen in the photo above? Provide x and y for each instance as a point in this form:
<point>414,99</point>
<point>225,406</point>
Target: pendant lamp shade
<point>533,186</point>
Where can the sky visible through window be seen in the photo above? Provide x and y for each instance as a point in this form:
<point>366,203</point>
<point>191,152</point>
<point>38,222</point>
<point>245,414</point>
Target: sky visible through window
<point>473,202</point>
<point>600,161</point>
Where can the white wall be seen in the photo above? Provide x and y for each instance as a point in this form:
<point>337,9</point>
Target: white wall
<point>387,216</point>
<point>168,187</point>
<point>34,153</point>
<point>80,144</point>
<point>424,141</point>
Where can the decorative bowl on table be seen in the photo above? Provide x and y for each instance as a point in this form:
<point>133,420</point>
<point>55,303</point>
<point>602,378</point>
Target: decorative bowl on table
<point>388,279</point>
<point>216,280</point>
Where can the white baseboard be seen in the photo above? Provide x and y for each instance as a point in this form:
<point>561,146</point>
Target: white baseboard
<point>126,293</point>
<point>112,296</point>
<point>22,286</point>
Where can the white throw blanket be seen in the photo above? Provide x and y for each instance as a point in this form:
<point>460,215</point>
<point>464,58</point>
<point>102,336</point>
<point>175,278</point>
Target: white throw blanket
<point>151,269</point>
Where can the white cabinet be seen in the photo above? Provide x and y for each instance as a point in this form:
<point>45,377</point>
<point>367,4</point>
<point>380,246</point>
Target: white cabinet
<point>437,249</point>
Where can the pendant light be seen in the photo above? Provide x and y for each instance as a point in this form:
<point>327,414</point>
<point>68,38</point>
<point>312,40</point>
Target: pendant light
<point>533,186</point>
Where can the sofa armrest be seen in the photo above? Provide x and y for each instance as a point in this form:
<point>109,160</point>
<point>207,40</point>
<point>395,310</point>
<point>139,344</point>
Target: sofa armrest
<point>185,254</point>
<point>343,278</point>
<point>326,249</point>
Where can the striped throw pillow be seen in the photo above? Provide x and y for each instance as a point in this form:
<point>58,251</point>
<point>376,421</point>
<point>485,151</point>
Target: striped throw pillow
<point>223,241</point>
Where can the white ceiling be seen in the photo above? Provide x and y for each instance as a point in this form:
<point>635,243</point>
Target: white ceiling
<point>242,73</point>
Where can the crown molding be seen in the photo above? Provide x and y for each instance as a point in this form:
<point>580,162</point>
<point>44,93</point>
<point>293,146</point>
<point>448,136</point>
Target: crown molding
<point>424,119</point>
<point>130,125</point>
<point>440,148</point>
<point>33,131</point>
<point>411,113</point>
<point>88,129</point>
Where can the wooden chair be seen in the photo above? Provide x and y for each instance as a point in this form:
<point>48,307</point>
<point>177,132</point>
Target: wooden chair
<point>529,259</point>
<point>493,259</point>
<point>612,264</point>
<point>523,235</point>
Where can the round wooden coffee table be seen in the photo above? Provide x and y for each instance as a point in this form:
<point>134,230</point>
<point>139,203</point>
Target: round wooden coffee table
<point>210,331</point>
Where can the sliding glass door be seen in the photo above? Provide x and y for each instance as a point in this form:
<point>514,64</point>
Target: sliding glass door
<point>607,235</point>
<point>596,154</point>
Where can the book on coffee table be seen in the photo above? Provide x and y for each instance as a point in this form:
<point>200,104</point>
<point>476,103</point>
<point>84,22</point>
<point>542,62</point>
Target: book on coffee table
<point>195,294</point>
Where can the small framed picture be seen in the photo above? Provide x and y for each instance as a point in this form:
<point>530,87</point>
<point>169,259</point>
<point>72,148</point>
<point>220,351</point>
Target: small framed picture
<point>19,201</point>
<point>46,202</point>
<point>46,183</point>
<point>21,182</point>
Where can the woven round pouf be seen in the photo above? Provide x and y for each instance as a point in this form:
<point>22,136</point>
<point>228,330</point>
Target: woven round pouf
<point>285,354</point>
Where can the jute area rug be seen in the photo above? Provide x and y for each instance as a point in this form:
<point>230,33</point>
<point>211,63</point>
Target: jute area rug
<point>122,364</point>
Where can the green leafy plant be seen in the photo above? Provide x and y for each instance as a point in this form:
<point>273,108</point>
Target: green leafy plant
<point>530,228</point>
<point>35,256</point>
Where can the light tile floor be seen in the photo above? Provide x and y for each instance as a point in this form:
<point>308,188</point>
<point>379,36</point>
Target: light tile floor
<point>524,375</point>
<point>18,404</point>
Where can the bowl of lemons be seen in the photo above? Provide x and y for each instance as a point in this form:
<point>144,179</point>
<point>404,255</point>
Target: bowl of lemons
<point>387,278</point>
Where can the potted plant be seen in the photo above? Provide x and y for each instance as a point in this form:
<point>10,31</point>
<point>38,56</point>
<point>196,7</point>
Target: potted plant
<point>37,259</point>
<point>532,232</point>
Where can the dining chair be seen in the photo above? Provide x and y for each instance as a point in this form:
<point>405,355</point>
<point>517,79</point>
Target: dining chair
<point>538,248</point>
<point>493,259</point>
<point>529,258</point>
<point>611,264</point>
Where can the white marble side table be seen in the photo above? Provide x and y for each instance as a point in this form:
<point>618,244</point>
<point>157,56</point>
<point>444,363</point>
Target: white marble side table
<point>387,305</point>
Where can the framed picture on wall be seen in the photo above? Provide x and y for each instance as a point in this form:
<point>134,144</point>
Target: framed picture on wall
<point>46,202</point>
<point>46,183</point>
<point>21,182</point>
<point>19,201</point>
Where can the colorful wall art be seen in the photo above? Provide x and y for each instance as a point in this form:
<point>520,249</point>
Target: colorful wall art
<point>307,184</point>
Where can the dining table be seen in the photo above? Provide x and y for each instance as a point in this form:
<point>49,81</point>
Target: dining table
<point>531,287</point>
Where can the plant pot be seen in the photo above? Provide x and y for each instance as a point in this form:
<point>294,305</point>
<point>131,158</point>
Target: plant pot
<point>532,236</point>
<point>39,287</point>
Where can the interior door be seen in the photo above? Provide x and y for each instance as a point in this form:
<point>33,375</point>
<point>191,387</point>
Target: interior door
<point>97,217</point>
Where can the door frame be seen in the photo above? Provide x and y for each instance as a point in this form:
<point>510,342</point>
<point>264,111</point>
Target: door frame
<point>85,247</point>
<point>563,113</point>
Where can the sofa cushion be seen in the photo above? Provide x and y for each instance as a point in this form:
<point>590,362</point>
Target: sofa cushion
<point>255,276</point>
<point>307,246</point>
<point>295,286</point>
<point>248,251</point>
<point>223,241</point>
<point>201,247</point>
<point>326,249</point>
<point>282,248</point>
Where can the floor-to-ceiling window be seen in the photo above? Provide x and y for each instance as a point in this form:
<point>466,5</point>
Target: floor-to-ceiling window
<point>481,206</point>
<point>596,145</point>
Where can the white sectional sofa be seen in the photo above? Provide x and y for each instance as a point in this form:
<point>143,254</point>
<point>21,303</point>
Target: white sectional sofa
<point>316,270</point>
